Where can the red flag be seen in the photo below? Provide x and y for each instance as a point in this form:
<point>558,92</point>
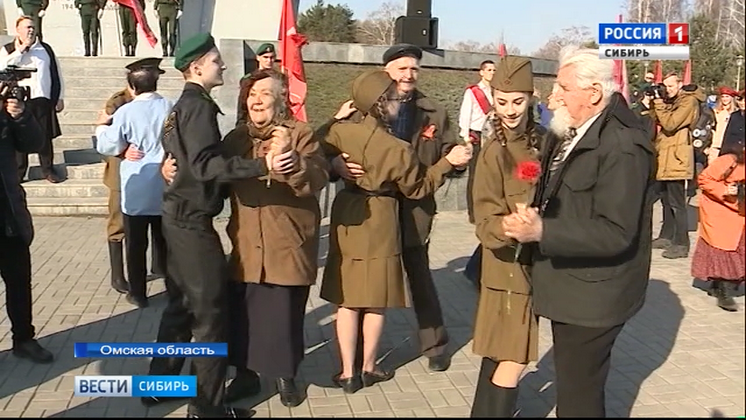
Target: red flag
<point>688,72</point>
<point>659,71</point>
<point>142,21</point>
<point>502,51</point>
<point>291,60</point>
<point>620,73</point>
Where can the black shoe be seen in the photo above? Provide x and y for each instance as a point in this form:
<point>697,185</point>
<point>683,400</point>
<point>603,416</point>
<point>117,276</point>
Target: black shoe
<point>675,251</point>
<point>439,363</point>
<point>661,243</point>
<point>221,412</point>
<point>139,301</point>
<point>32,350</point>
<point>246,384</point>
<point>349,385</point>
<point>153,401</point>
<point>289,394</point>
<point>116,260</point>
<point>379,375</point>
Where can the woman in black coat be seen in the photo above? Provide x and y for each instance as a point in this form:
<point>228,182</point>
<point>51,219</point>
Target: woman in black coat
<point>734,132</point>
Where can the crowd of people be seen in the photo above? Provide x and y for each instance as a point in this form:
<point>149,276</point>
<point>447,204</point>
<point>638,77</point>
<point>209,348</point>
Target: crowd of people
<point>562,207</point>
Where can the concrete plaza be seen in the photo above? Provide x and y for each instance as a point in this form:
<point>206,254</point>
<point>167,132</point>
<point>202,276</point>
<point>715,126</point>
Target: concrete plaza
<point>681,356</point>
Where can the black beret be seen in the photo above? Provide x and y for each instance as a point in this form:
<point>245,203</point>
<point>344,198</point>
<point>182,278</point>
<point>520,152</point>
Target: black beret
<point>402,50</point>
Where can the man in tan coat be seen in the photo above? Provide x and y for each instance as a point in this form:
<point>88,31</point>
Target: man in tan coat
<point>425,124</point>
<point>675,116</point>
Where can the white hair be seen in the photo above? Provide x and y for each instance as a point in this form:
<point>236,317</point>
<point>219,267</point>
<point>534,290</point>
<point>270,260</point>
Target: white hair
<point>589,69</point>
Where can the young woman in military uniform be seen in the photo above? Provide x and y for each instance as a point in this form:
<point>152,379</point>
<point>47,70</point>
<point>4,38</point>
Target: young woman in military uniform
<point>364,269</point>
<point>506,329</point>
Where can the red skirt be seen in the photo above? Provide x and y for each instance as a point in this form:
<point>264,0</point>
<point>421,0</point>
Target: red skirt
<point>709,262</point>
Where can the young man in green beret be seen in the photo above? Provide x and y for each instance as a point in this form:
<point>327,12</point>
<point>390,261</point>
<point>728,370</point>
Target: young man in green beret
<point>198,300</point>
<point>265,56</point>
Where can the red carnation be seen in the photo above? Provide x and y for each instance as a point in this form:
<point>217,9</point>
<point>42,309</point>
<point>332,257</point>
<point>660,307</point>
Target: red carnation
<point>528,170</point>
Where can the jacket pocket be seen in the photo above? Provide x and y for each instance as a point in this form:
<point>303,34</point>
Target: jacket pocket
<point>592,274</point>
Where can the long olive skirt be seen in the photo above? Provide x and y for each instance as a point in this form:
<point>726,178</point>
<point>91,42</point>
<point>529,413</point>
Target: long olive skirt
<point>506,327</point>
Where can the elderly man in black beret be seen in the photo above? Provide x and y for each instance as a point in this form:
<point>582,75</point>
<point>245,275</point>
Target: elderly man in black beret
<point>425,124</point>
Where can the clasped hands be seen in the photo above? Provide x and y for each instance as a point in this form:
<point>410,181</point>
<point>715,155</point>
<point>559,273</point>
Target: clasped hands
<point>525,225</point>
<point>281,159</point>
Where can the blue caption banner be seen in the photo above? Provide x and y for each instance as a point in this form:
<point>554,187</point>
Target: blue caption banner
<point>136,386</point>
<point>100,350</point>
<point>632,33</point>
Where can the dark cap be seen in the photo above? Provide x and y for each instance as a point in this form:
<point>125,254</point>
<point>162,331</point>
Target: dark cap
<point>402,50</point>
<point>151,63</point>
<point>193,49</point>
<point>265,48</point>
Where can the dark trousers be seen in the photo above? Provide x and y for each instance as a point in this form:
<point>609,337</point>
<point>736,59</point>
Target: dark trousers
<point>167,22</point>
<point>90,25</point>
<point>476,137</point>
<point>675,218</point>
<point>129,27</point>
<point>136,234</point>
<point>43,110</point>
<point>15,269</point>
<point>197,306</point>
<point>273,349</point>
<point>582,358</point>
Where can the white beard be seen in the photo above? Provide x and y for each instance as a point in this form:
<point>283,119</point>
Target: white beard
<point>560,122</point>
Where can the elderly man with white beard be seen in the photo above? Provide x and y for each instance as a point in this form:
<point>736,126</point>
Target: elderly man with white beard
<point>590,227</point>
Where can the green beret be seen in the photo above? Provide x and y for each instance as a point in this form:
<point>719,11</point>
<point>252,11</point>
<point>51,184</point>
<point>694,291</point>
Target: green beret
<point>513,74</point>
<point>193,49</point>
<point>265,48</point>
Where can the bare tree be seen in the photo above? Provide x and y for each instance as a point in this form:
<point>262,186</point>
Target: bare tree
<point>728,17</point>
<point>575,35</point>
<point>378,26</point>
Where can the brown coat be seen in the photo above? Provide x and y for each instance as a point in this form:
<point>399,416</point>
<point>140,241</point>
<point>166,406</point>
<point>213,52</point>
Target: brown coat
<point>363,269</point>
<point>274,229</point>
<point>673,143</point>
<point>111,168</point>
<point>417,215</point>
<point>505,327</point>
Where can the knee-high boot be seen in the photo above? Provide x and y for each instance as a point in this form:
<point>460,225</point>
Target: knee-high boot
<point>502,401</point>
<point>116,259</point>
<point>481,404</point>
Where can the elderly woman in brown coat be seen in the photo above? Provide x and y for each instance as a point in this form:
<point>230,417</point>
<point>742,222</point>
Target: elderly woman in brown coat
<point>274,230</point>
<point>507,169</point>
<point>364,269</point>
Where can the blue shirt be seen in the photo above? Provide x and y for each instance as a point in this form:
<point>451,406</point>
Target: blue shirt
<point>140,123</point>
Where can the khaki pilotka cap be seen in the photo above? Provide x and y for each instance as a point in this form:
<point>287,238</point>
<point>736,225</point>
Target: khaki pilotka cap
<point>368,87</point>
<point>513,74</point>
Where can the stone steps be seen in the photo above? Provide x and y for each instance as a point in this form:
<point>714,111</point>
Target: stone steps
<point>78,206</point>
<point>73,188</point>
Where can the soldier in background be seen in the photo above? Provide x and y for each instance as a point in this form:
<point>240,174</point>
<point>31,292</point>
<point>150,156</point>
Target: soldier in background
<point>115,220</point>
<point>169,12</point>
<point>35,9</point>
<point>91,12</point>
<point>129,28</point>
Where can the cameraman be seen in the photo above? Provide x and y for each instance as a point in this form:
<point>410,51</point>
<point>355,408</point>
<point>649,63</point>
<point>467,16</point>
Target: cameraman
<point>674,111</point>
<point>19,132</point>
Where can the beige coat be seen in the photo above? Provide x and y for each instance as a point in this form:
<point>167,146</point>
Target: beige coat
<point>274,229</point>
<point>363,269</point>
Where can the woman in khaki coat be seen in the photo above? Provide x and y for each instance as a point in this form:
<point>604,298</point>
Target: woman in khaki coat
<point>506,329</point>
<point>363,271</point>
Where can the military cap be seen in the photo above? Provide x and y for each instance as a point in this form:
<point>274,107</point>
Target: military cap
<point>513,74</point>
<point>193,49</point>
<point>265,48</point>
<point>402,50</point>
<point>151,63</point>
<point>368,87</point>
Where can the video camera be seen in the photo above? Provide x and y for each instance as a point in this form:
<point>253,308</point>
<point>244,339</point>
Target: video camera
<point>657,90</point>
<point>10,76</point>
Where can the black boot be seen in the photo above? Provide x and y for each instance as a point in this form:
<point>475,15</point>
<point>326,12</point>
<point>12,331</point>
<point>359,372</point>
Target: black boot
<point>164,47</point>
<point>480,405</point>
<point>290,396</point>
<point>245,384</point>
<point>724,300</point>
<point>116,259</point>
<point>502,401</point>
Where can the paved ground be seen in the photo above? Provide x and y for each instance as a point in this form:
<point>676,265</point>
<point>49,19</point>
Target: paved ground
<point>680,356</point>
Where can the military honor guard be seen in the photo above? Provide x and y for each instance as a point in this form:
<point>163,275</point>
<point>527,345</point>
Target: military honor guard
<point>91,12</point>
<point>129,28</point>
<point>35,9</point>
<point>198,296</point>
<point>169,13</point>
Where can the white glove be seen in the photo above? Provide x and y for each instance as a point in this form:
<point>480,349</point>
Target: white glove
<point>42,13</point>
<point>20,12</point>
<point>101,13</point>
<point>179,13</point>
